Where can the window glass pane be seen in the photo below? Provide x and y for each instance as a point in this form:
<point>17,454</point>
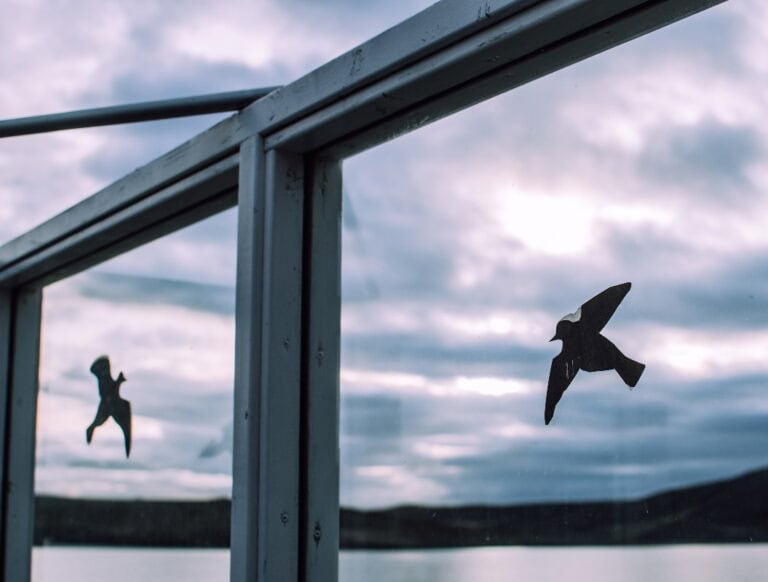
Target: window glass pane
<point>464,245</point>
<point>133,470</point>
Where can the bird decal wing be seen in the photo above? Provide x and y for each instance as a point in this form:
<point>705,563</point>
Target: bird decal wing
<point>561,374</point>
<point>596,312</point>
<point>122,415</point>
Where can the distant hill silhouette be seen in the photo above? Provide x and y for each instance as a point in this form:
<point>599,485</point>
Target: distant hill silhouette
<point>60,520</point>
<point>729,511</point>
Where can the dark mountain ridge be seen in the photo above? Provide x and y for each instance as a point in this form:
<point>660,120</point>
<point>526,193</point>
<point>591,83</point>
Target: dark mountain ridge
<point>729,511</point>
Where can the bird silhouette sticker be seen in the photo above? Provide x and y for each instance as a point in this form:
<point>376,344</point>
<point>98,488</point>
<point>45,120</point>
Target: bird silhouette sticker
<point>585,348</point>
<point>111,404</point>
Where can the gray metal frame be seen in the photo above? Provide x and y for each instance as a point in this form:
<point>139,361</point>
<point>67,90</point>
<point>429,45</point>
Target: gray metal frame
<point>279,161</point>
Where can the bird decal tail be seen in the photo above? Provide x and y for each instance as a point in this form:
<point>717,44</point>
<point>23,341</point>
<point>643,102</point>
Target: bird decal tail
<point>629,370</point>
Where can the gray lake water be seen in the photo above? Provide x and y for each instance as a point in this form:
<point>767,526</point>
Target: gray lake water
<point>699,563</point>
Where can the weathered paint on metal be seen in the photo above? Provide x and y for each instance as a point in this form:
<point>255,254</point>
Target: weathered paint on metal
<point>265,504</point>
<point>320,378</point>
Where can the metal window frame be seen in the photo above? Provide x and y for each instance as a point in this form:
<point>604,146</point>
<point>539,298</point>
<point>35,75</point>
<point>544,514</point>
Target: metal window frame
<point>279,161</point>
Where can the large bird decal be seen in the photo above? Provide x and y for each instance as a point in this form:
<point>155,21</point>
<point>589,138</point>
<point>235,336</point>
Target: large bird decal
<point>585,348</point>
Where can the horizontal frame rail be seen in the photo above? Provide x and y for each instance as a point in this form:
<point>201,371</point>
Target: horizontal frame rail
<point>134,112</point>
<point>529,44</point>
<point>214,144</point>
<point>193,198</point>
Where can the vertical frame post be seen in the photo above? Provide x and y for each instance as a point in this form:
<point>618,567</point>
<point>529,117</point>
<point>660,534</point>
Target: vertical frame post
<point>320,382</point>
<point>22,309</point>
<point>6,339</point>
<point>266,469</point>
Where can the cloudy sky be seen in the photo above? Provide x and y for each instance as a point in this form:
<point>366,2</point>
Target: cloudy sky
<point>464,243</point>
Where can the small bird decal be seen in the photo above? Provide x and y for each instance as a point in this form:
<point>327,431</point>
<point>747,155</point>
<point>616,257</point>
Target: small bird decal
<point>111,404</point>
<point>585,348</point>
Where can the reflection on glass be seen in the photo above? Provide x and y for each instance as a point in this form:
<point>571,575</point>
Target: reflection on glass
<point>134,433</point>
<point>464,245</point>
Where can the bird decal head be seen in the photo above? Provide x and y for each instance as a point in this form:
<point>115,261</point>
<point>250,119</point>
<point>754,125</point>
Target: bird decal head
<point>564,326</point>
<point>100,365</point>
<point>562,330</point>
